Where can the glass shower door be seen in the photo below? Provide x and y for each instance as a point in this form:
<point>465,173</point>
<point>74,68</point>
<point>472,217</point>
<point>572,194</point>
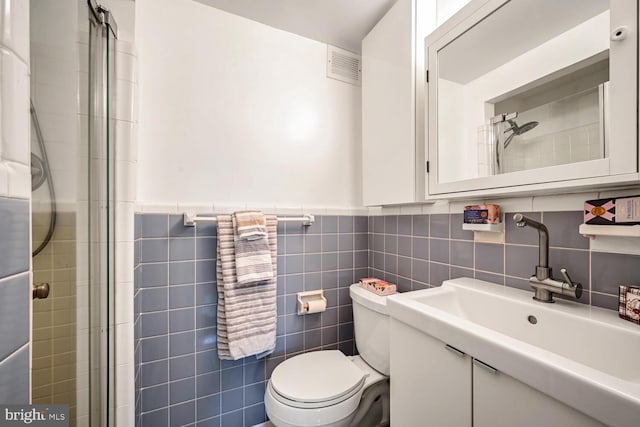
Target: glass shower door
<point>101,216</point>
<point>72,208</point>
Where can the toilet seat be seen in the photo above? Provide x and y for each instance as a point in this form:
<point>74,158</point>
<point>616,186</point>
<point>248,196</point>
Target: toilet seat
<point>316,380</point>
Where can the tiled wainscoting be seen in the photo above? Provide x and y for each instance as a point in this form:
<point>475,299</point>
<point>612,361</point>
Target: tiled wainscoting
<point>15,287</point>
<point>417,250</point>
<point>179,378</point>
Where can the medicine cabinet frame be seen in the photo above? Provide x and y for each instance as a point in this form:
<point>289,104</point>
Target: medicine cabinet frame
<point>619,165</point>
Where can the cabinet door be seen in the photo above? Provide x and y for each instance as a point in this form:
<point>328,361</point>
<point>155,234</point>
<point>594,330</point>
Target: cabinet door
<point>502,401</point>
<point>551,105</point>
<point>430,385</point>
<point>388,108</point>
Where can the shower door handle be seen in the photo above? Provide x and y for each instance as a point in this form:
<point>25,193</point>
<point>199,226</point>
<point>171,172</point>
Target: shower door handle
<point>40,291</point>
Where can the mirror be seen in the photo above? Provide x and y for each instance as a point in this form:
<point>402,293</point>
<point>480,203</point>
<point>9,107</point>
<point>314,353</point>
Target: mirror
<point>525,87</point>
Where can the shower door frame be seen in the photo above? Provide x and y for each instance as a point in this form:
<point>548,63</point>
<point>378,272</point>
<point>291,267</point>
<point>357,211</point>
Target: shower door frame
<point>101,185</point>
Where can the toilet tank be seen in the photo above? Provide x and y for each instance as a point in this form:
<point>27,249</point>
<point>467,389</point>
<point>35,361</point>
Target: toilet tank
<point>371,327</point>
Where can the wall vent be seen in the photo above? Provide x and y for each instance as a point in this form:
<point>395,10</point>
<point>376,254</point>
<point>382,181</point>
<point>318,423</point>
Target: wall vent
<point>344,65</point>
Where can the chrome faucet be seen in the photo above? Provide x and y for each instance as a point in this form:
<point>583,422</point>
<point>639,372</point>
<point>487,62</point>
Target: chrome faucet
<point>542,282</point>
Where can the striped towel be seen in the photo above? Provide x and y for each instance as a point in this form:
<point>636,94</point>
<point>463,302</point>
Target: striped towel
<point>253,256</point>
<point>250,225</point>
<point>246,312</point>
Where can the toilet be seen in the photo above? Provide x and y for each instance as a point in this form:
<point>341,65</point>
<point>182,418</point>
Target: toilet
<point>327,388</point>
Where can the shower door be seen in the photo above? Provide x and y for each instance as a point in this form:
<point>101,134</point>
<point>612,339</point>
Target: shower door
<point>72,70</point>
<point>101,215</point>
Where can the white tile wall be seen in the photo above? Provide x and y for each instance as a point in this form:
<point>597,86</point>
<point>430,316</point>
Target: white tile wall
<point>126,180</point>
<point>4,179</point>
<point>15,176</point>
<point>14,78</point>
<point>125,65</point>
<point>83,81</point>
<point>125,132</point>
<point>19,180</point>
<point>14,27</point>
<point>126,47</point>
<point>124,305</point>
<point>126,164</point>
<point>124,105</point>
<point>125,415</point>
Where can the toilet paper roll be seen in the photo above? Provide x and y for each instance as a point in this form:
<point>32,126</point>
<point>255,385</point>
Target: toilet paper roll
<point>316,306</point>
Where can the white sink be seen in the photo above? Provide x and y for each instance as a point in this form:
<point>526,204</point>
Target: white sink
<point>584,356</point>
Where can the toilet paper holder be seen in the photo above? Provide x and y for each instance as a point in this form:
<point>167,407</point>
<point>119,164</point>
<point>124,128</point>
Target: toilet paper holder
<point>311,302</point>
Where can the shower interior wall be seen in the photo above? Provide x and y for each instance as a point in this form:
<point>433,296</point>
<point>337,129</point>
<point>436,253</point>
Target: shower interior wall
<point>60,359</point>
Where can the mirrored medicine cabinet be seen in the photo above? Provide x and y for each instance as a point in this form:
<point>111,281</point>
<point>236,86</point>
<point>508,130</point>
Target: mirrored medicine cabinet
<point>528,95</point>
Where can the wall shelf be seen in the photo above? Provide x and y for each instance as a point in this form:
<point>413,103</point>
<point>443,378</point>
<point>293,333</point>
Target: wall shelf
<point>494,228</point>
<point>593,231</point>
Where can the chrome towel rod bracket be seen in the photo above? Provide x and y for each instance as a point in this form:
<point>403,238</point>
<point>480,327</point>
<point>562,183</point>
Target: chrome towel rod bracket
<point>190,219</point>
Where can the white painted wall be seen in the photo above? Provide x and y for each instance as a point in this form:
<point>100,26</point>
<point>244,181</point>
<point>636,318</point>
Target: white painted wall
<point>233,112</point>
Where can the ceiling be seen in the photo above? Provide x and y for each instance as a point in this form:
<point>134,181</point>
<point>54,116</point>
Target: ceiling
<point>342,23</point>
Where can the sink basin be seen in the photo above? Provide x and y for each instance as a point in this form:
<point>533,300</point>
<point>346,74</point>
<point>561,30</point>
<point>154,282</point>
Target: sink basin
<point>584,356</point>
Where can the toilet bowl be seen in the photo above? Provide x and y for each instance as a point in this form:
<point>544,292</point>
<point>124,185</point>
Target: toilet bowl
<point>320,388</point>
<point>325,388</point>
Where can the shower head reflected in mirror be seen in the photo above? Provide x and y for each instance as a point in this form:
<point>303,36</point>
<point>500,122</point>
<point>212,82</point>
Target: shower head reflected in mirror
<point>518,130</point>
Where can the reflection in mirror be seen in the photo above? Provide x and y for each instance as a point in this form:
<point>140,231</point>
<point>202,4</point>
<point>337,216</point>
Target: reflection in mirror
<point>524,88</point>
<point>568,132</point>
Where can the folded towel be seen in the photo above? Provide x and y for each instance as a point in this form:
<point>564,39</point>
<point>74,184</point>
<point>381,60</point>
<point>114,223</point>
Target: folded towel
<point>250,225</point>
<point>253,256</point>
<point>377,286</point>
<point>246,312</point>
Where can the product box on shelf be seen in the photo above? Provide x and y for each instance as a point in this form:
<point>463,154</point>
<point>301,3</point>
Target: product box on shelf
<point>613,211</point>
<point>482,214</point>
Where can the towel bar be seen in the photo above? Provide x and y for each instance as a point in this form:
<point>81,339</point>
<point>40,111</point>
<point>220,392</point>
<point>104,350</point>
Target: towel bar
<point>190,219</point>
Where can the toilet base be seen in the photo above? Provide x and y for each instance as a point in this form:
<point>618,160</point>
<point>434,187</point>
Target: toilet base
<point>374,407</point>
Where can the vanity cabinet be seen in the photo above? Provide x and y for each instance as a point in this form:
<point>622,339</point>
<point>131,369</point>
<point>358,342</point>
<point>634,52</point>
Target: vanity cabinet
<point>533,96</point>
<point>393,79</point>
<point>435,384</point>
<point>430,386</point>
<point>499,400</point>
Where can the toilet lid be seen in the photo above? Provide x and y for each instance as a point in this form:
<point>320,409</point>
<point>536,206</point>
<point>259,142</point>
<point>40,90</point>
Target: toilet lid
<point>317,376</point>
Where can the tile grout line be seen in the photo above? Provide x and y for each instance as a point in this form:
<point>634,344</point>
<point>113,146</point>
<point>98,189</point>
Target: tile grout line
<point>195,325</point>
<point>168,322</point>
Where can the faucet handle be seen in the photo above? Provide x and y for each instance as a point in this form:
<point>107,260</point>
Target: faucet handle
<point>567,279</point>
<point>576,288</point>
